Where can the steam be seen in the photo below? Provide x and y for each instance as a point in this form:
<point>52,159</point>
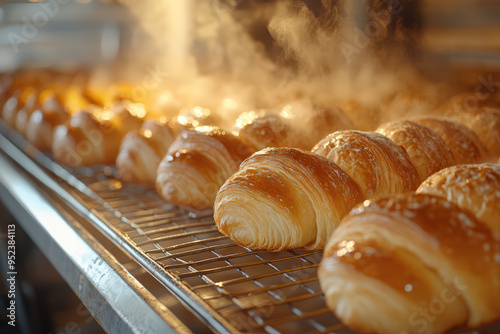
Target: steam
<point>237,55</point>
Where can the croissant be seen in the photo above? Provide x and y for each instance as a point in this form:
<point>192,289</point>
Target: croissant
<point>472,187</point>
<point>41,125</point>
<point>263,129</point>
<point>283,198</point>
<point>84,141</point>
<point>125,116</point>
<point>485,122</point>
<point>323,121</point>
<point>31,102</point>
<point>12,106</point>
<point>6,87</point>
<point>365,117</point>
<point>427,151</point>
<point>375,162</point>
<point>141,152</point>
<point>412,264</point>
<point>465,145</point>
<point>197,164</point>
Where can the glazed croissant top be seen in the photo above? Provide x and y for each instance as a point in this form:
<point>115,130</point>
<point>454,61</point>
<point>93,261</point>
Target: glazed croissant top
<point>426,149</point>
<point>322,122</point>
<point>263,129</point>
<point>197,164</point>
<point>437,264</point>
<point>283,198</point>
<point>374,161</point>
<point>472,187</point>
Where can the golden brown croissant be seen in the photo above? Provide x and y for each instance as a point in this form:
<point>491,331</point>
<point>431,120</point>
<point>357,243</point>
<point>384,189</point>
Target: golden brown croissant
<point>125,116</point>
<point>141,152</point>
<point>323,121</point>
<point>465,145</point>
<point>263,129</point>
<point>84,141</point>
<point>472,187</point>
<point>365,117</point>
<point>426,149</point>
<point>485,122</point>
<point>21,119</point>
<point>6,88</point>
<point>283,198</point>
<point>412,264</point>
<point>12,106</point>
<point>376,163</point>
<point>197,164</point>
<point>41,125</point>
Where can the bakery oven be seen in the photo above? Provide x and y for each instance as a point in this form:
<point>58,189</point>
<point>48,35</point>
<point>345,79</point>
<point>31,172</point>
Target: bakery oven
<point>158,153</point>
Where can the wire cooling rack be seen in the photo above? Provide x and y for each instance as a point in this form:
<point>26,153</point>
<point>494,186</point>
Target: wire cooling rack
<point>232,288</point>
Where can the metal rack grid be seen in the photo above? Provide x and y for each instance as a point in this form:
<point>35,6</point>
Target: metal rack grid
<point>255,291</point>
<point>232,288</point>
<point>238,288</point>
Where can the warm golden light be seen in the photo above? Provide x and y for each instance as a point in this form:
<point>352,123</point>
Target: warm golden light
<point>104,115</point>
<point>229,104</point>
<point>163,120</point>
<point>245,119</point>
<point>136,109</point>
<point>286,111</point>
<point>182,120</point>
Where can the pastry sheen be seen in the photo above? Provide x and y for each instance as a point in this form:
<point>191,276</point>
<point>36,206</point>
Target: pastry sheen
<point>263,129</point>
<point>426,149</point>
<point>465,145</point>
<point>395,263</point>
<point>472,187</point>
<point>197,164</point>
<point>374,161</point>
<point>283,198</point>
<point>42,122</point>
<point>323,121</point>
<point>84,141</point>
<point>141,152</point>
<point>485,122</point>
<point>41,125</point>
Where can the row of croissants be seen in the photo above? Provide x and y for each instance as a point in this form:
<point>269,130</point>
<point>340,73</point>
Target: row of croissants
<point>407,214</point>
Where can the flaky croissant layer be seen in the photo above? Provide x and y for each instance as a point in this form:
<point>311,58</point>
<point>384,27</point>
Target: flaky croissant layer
<point>284,198</point>
<point>197,164</point>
